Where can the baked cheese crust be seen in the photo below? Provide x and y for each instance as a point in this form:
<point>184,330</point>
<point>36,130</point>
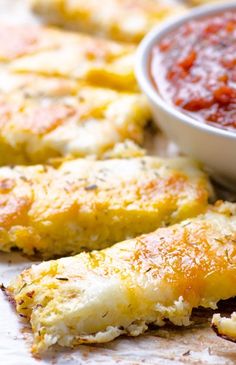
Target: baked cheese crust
<point>65,95</point>
<point>85,205</point>
<point>124,20</point>
<point>57,118</point>
<point>52,52</point>
<point>95,297</point>
<point>225,327</point>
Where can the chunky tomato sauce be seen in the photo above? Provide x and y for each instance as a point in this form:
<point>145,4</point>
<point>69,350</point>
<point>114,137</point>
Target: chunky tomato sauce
<point>194,68</point>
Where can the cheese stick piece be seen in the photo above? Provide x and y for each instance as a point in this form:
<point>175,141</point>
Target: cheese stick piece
<point>125,20</point>
<point>95,297</point>
<point>51,52</point>
<point>86,204</point>
<point>58,118</point>
<point>225,327</point>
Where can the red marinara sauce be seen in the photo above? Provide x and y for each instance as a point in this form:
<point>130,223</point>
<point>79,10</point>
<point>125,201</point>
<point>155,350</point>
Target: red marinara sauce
<point>194,68</point>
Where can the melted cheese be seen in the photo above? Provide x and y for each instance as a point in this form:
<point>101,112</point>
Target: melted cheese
<point>95,297</point>
<point>61,118</point>
<point>65,95</point>
<point>225,327</point>
<point>51,52</point>
<point>125,20</point>
<point>86,204</point>
<point>37,86</point>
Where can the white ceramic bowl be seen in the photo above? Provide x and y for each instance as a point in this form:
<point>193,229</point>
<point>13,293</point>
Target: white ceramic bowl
<point>215,147</point>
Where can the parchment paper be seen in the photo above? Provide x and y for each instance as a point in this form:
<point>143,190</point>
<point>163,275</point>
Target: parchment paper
<point>195,345</point>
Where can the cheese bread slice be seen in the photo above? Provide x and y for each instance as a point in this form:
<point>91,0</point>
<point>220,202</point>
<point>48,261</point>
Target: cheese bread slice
<point>225,327</point>
<point>52,52</point>
<point>125,20</point>
<point>95,297</point>
<point>53,117</point>
<point>85,205</point>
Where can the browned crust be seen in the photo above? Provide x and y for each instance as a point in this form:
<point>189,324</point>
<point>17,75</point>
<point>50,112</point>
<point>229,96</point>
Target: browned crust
<point>221,335</point>
<point>8,295</point>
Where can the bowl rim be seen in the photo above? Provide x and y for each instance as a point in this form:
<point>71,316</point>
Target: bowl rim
<point>143,58</point>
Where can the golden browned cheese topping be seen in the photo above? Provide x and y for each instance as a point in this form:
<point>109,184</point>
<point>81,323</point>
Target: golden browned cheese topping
<point>56,53</point>
<point>15,202</point>
<point>35,120</point>
<point>60,118</point>
<point>95,297</point>
<point>184,256</point>
<point>86,204</point>
<point>64,94</point>
<point>13,210</point>
<point>45,119</point>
